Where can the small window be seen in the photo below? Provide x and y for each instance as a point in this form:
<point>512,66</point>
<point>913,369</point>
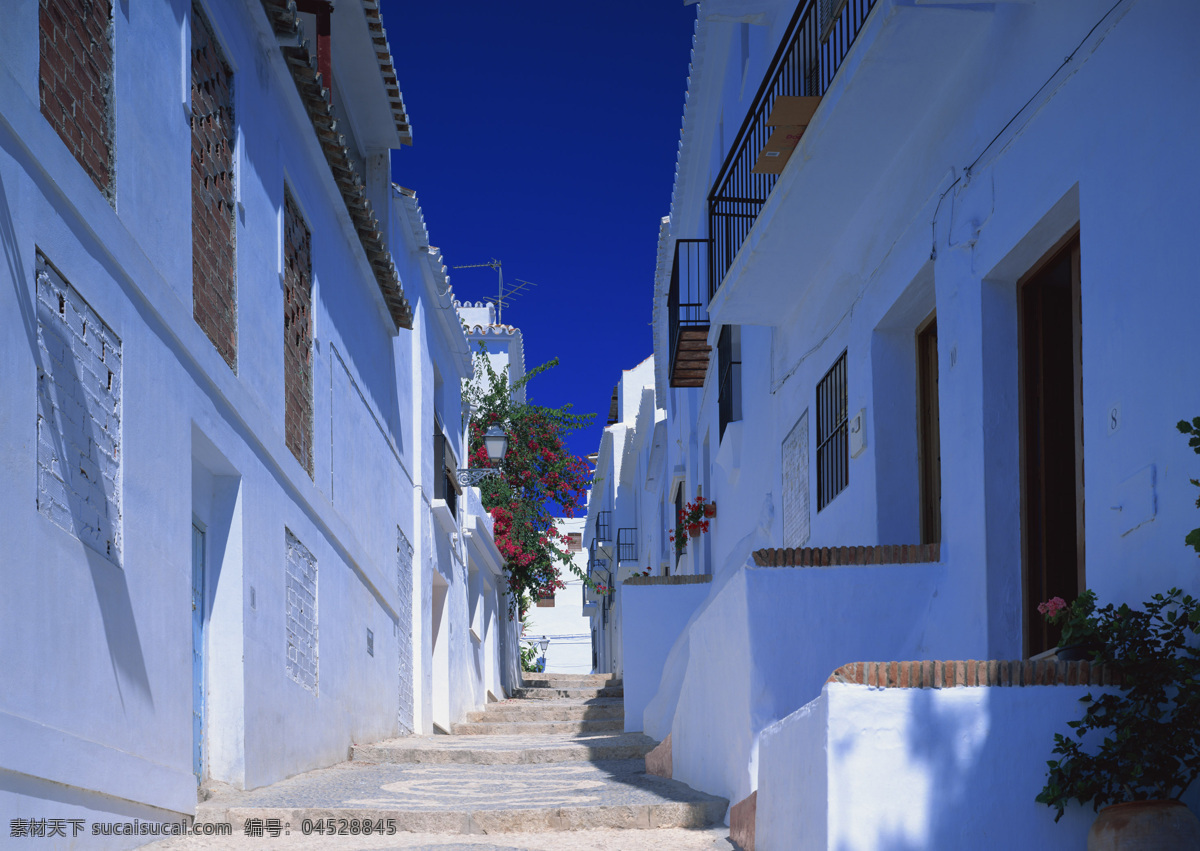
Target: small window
<point>833,456</point>
<point>445,479</point>
<point>729,372</point>
<point>575,542</point>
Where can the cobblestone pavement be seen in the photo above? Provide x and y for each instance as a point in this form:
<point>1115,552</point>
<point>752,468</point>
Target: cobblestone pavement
<point>537,791</point>
<point>664,839</point>
<point>390,786</point>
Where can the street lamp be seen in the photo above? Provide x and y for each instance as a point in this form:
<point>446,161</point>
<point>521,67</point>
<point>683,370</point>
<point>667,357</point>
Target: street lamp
<point>495,443</point>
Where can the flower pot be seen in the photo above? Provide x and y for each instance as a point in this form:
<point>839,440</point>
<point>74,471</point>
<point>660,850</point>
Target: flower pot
<point>710,509</point>
<point>1145,826</point>
<point>1076,652</point>
<point>694,531</point>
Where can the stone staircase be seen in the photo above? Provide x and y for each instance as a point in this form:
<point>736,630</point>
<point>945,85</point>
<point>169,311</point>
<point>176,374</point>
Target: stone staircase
<point>553,757</point>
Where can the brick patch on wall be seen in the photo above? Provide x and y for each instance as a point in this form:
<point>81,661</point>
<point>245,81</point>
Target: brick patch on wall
<point>973,672</point>
<point>75,81</point>
<point>214,260</point>
<point>297,334</point>
<point>404,587</point>
<point>78,416</point>
<point>846,556</point>
<point>301,613</point>
<point>667,580</point>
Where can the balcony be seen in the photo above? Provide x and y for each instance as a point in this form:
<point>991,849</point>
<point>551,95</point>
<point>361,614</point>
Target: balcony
<point>603,536</point>
<point>687,312</point>
<point>818,38</point>
<point>627,550</point>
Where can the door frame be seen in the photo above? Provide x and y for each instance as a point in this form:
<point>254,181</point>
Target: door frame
<point>1070,241</point>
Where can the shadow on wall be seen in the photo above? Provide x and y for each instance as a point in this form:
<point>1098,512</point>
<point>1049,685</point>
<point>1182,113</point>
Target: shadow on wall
<point>966,773</point>
<point>108,580</point>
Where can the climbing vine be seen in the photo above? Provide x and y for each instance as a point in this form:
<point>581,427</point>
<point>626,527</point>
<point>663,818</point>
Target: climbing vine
<point>539,479</point>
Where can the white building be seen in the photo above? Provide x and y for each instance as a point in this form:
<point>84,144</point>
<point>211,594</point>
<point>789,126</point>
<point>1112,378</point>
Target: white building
<point>224,531</point>
<point>559,619</point>
<point>466,649</point>
<point>624,532</point>
<point>915,281</point>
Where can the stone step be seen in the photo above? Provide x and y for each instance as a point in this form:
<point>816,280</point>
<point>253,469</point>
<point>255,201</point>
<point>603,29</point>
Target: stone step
<point>505,750</point>
<point>537,693</point>
<point>550,710</point>
<point>569,680</point>
<point>537,728</point>
<point>488,799</point>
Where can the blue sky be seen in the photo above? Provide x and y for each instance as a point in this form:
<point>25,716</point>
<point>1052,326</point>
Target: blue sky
<point>545,136</point>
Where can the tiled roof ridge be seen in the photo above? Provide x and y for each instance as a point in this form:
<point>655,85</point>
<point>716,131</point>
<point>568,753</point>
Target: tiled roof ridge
<point>319,104</point>
<point>387,69</point>
<point>848,556</point>
<point>695,65</point>
<point>974,672</point>
<point>658,319</point>
<point>493,328</point>
<point>433,254</point>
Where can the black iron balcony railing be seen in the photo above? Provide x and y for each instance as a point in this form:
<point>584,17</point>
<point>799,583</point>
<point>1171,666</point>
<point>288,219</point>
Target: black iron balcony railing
<point>687,313</point>
<point>603,527</point>
<point>626,545</point>
<point>817,40</point>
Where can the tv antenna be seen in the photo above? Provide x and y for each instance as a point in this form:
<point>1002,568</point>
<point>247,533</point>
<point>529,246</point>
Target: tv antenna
<point>503,297</point>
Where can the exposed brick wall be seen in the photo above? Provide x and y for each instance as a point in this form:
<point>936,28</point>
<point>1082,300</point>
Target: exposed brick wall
<point>75,81</point>
<point>78,416</point>
<point>301,613</point>
<point>297,334</point>
<point>404,587</point>
<point>973,672</point>
<point>214,259</point>
<point>846,556</point>
<point>668,580</point>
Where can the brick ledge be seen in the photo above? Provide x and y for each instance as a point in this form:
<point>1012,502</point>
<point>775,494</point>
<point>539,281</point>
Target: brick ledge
<point>667,580</point>
<point>974,672</point>
<point>846,556</point>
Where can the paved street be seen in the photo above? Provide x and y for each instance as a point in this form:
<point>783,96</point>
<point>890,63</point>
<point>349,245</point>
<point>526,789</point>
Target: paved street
<point>547,780</point>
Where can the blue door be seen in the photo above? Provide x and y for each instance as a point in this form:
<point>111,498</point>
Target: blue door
<point>197,652</point>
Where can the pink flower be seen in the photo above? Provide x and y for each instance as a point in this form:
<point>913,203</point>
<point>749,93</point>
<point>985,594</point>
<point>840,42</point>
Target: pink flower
<point>1052,607</point>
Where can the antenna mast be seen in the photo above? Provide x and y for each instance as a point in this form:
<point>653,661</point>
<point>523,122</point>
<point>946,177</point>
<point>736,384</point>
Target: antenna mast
<point>502,298</point>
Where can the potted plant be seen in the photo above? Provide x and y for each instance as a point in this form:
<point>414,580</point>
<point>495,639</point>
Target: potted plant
<point>1077,628</point>
<point>693,518</point>
<point>1150,752</point>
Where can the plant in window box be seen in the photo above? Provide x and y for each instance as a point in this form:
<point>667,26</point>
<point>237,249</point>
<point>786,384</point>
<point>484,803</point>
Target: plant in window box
<point>694,518</point>
<point>1150,752</point>
<point>1077,626</point>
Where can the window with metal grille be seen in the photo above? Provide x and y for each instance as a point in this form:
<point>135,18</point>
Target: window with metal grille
<point>729,371</point>
<point>626,545</point>
<point>833,456</point>
<point>604,527</point>
<point>445,482</point>
<point>679,532</point>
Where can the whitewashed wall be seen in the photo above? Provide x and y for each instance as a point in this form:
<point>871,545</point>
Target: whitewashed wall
<point>197,442</point>
<point>565,623</point>
<point>890,768</point>
<point>841,259</point>
<point>655,615</point>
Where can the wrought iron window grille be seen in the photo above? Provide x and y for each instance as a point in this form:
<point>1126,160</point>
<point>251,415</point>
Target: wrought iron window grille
<point>626,545</point>
<point>729,372</point>
<point>833,445</point>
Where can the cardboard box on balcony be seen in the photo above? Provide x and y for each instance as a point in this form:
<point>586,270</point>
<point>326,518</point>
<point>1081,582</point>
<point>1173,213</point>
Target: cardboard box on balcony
<point>791,111</point>
<point>775,154</point>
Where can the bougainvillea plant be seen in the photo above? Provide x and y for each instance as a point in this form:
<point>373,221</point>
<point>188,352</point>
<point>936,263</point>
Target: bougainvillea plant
<point>539,480</point>
<point>694,519</point>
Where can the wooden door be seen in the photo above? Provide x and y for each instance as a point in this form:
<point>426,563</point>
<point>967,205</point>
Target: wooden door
<point>1052,439</point>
